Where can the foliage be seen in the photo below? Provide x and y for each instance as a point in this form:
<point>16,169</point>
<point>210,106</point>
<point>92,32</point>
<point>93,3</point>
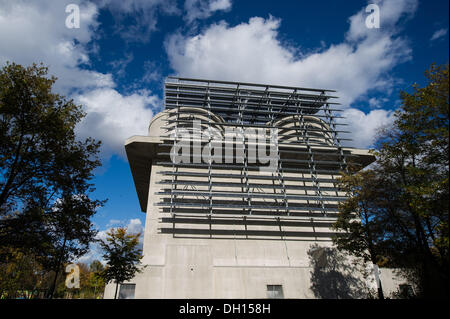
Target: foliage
<point>91,283</point>
<point>398,209</point>
<point>122,255</point>
<point>40,157</point>
<point>20,275</point>
<point>71,228</point>
<point>359,215</point>
<point>45,171</point>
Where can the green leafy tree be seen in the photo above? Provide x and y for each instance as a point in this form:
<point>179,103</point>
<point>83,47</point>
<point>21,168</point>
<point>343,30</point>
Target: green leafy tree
<point>71,227</point>
<point>91,282</point>
<point>361,217</point>
<point>96,267</point>
<point>122,255</point>
<point>402,202</point>
<point>420,148</point>
<point>45,171</point>
<point>39,154</point>
<point>20,275</point>
<point>96,281</point>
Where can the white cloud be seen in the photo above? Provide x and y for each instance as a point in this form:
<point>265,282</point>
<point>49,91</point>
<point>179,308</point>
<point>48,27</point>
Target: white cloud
<point>215,5</point>
<point>376,103</point>
<point>439,34</point>
<point>135,226</point>
<point>365,126</point>
<point>253,52</point>
<point>90,256</point>
<point>113,222</point>
<point>113,117</point>
<point>120,65</point>
<point>151,73</point>
<point>391,12</point>
<point>36,32</point>
<point>202,9</point>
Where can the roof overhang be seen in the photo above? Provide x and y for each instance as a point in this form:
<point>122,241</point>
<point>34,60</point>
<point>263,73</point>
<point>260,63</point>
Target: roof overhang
<point>141,150</point>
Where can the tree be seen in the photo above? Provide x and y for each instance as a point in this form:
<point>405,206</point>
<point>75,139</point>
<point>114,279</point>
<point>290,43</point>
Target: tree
<point>90,282</point>
<point>71,228</point>
<point>96,282</point>
<point>402,202</point>
<point>96,267</point>
<point>20,275</point>
<point>122,256</point>
<point>361,217</point>
<point>45,171</point>
<point>39,154</point>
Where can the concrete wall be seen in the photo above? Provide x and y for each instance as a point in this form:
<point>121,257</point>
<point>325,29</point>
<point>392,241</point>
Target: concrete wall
<point>227,266</point>
<point>191,255</point>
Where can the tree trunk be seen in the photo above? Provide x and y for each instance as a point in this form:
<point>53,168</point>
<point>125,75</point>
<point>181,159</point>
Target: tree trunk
<point>117,286</point>
<point>58,266</point>
<point>380,291</point>
<point>373,257</point>
<point>379,286</point>
<point>53,286</point>
<point>378,280</point>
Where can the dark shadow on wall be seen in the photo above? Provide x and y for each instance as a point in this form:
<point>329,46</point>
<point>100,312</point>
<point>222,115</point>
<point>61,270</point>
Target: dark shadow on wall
<point>333,276</point>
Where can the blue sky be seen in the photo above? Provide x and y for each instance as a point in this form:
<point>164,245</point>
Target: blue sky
<point>115,63</point>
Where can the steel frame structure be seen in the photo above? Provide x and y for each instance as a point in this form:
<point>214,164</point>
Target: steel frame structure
<point>309,154</point>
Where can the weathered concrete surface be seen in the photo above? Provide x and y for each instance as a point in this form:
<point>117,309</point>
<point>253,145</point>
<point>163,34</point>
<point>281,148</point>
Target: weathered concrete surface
<point>198,266</point>
<point>194,259</point>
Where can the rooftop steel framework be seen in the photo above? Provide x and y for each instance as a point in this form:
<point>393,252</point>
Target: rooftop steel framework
<point>309,153</point>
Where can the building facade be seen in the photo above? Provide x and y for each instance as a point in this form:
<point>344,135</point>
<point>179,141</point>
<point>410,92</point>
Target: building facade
<point>239,185</point>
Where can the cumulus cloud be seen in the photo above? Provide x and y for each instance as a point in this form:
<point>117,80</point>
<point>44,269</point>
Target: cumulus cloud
<point>253,52</point>
<point>113,117</point>
<point>36,32</point>
<point>439,34</point>
<point>365,126</point>
<point>391,12</point>
<point>202,9</point>
<point>135,226</point>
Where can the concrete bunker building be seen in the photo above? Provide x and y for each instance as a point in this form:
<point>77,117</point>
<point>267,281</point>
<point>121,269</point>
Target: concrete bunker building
<point>220,225</point>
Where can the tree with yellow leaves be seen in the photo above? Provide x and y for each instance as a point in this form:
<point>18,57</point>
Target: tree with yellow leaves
<point>122,256</point>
